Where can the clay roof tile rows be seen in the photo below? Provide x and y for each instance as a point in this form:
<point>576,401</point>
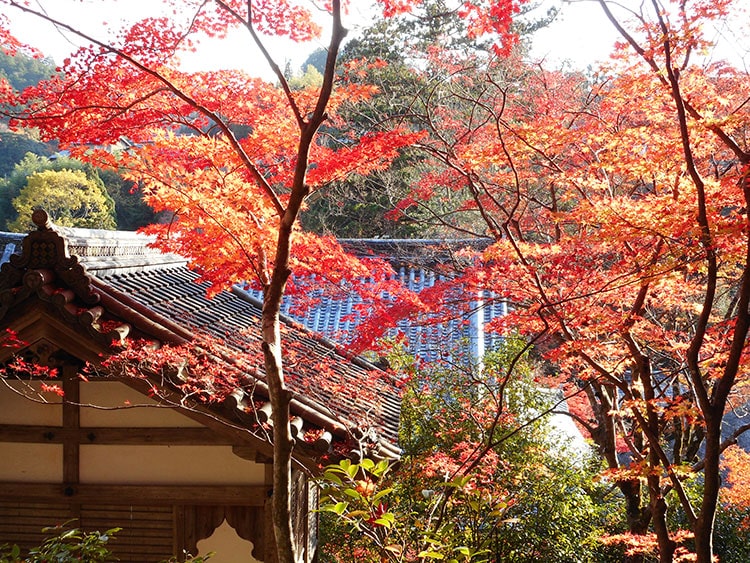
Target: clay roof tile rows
<point>159,296</point>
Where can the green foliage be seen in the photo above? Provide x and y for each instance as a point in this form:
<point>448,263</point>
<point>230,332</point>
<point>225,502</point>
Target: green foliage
<point>63,547</point>
<point>732,534</point>
<point>132,212</point>
<point>14,146</point>
<point>22,71</point>
<point>358,495</point>
<point>70,198</point>
<point>317,59</point>
<point>311,78</point>
<point>731,529</point>
<point>357,207</point>
<point>72,545</point>
<point>17,181</point>
<point>392,55</point>
<point>483,476</point>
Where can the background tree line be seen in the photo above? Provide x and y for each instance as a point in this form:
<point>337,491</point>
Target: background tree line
<point>74,194</point>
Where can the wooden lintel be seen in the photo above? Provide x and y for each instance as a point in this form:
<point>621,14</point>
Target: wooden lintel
<point>233,495</point>
<point>190,436</point>
<point>245,452</point>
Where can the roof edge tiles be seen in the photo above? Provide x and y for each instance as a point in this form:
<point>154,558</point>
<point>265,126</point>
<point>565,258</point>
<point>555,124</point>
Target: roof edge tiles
<point>126,280</point>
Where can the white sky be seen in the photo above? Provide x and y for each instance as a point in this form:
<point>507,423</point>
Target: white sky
<point>237,51</point>
<point>581,35</point>
<point>90,14</point>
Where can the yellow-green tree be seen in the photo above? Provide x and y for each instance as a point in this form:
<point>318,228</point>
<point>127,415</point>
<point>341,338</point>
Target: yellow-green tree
<point>70,198</point>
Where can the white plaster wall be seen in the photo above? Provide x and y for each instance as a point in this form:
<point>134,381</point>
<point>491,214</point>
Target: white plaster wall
<point>122,407</point>
<point>173,465</point>
<point>116,405</point>
<point>23,402</point>
<point>227,546</point>
<point>31,463</point>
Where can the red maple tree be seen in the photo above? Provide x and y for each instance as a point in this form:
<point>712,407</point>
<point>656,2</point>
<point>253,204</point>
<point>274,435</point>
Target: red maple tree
<point>618,204</point>
<point>232,199</point>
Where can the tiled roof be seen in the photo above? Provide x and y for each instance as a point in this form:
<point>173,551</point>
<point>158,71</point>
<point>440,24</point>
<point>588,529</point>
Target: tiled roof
<point>418,264</point>
<point>8,244</point>
<point>174,293</point>
<point>159,297</point>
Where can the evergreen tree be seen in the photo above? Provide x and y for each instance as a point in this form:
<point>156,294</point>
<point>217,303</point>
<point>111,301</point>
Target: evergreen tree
<point>22,71</point>
<point>131,211</point>
<point>14,146</point>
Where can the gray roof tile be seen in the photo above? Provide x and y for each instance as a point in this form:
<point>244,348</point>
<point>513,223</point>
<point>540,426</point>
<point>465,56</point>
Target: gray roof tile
<point>165,286</point>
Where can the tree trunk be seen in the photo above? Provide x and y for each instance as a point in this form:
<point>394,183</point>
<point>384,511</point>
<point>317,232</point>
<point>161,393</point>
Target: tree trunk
<point>659,507</point>
<point>704,525</point>
<point>638,518</point>
<point>280,398</point>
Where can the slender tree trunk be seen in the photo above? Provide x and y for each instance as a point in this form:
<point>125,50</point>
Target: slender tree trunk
<point>704,525</point>
<point>283,443</point>
<point>280,398</point>
<point>659,508</point>
<point>714,405</point>
<point>637,518</point>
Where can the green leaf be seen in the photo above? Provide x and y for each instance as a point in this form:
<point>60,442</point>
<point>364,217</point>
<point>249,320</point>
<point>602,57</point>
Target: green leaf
<point>337,508</point>
<point>381,494</point>
<point>459,481</point>
<point>431,554</point>
<point>381,468</point>
<point>352,493</point>
<point>387,519</point>
<point>367,464</point>
<point>332,477</point>
<point>348,468</point>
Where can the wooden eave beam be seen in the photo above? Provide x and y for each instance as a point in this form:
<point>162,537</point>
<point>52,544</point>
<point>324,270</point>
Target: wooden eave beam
<point>237,495</point>
<point>114,436</point>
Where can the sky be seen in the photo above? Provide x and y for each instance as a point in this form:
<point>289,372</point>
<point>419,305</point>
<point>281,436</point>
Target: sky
<point>581,35</point>
<point>237,51</point>
<point>564,40</point>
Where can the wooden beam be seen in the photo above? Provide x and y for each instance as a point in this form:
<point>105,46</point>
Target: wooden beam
<point>189,436</point>
<point>235,430</point>
<point>235,495</point>
<point>71,418</point>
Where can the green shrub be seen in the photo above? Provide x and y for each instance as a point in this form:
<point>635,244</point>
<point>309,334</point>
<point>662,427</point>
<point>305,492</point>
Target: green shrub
<point>73,545</point>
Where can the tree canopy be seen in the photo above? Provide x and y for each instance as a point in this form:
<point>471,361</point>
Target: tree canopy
<point>240,197</point>
<point>69,197</point>
<point>616,201</point>
<point>92,189</point>
<point>21,70</point>
<point>618,206</point>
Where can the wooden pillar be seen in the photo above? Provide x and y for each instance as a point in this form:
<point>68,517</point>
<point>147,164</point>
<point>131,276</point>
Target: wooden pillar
<point>71,415</point>
<point>269,555</point>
